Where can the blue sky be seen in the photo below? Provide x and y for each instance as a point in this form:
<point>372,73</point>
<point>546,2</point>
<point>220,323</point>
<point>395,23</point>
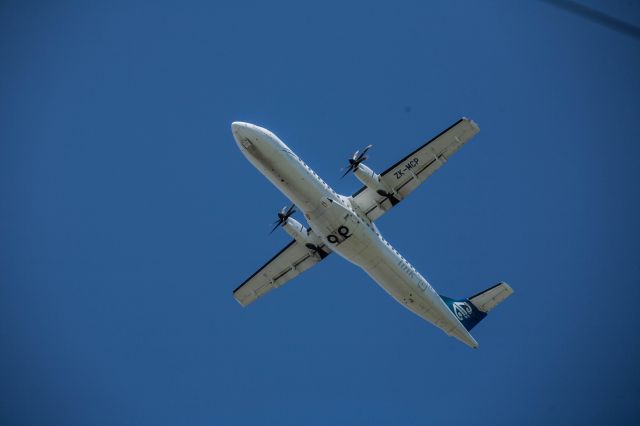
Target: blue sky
<point>127,214</point>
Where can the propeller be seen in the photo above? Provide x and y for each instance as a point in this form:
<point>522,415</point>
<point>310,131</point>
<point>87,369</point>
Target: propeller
<point>354,162</point>
<point>283,215</point>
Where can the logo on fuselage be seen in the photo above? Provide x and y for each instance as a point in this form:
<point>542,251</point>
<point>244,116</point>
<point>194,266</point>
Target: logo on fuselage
<point>462,310</point>
<point>343,231</point>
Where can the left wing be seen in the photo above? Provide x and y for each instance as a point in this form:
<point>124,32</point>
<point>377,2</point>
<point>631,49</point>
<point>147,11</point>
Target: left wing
<point>290,262</point>
<point>409,173</point>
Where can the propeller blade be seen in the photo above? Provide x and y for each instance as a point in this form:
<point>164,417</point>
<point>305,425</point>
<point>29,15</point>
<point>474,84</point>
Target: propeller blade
<point>275,227</point>
<point>364,151</point>
<point>291,210</point>
<point>355,160</point>
<point>283,215</point>
<point>347,172</point>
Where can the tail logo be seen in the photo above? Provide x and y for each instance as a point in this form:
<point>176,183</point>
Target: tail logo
<point>462,310</point>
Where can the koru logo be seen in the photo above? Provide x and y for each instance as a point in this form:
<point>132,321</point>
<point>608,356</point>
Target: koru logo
<point>343,231</point>
<point>462,310</point>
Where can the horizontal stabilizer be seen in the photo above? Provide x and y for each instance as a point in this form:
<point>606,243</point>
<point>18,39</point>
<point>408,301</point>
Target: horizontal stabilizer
<point>488,299</point>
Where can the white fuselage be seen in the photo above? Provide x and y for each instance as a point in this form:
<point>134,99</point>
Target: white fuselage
<point>338,224</point>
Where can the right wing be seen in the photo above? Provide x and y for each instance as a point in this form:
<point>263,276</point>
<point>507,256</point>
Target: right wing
<point>412,170</point>
<point>290,262</point>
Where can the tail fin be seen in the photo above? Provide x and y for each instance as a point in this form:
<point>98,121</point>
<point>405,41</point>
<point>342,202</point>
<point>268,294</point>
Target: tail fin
<point>472,310</point>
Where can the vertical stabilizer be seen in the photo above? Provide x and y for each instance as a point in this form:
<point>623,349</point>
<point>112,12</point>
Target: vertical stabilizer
<point>472,310</point>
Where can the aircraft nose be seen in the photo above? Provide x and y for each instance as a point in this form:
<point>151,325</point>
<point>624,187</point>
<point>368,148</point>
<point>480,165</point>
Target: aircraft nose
<point>243,130</point>
<point>239,126</point>
<point>247,135</point>
<point>246,129</point>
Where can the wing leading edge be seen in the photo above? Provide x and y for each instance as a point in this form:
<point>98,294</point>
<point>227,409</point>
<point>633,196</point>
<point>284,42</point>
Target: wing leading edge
<point>290,262</point>
<point>407,174</point>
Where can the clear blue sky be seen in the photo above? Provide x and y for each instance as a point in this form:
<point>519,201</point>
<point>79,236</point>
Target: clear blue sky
<point>128,215</point>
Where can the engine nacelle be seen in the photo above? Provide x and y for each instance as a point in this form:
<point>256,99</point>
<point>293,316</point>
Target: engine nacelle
<point>371,179</point>
<point>301,234</point>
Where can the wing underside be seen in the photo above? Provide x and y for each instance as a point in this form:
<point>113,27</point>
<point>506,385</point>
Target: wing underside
<point>290,262</point>
<point>409,173</point>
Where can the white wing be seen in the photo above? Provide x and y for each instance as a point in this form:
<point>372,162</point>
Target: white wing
<point>407,174</point>
<point>290,262</point>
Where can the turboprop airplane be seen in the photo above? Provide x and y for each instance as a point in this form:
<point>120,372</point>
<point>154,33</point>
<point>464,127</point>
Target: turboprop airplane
<point>345,225</point>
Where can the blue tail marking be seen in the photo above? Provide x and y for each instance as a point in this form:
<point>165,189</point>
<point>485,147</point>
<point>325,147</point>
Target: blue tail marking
<point>466,312</point>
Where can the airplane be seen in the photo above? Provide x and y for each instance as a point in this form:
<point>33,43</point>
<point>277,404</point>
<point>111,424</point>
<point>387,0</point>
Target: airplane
<point>345,225</point>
